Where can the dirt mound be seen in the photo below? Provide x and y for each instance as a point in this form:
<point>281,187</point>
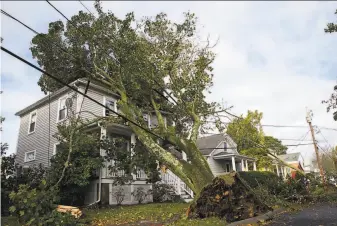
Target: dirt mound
<point>227,197</point>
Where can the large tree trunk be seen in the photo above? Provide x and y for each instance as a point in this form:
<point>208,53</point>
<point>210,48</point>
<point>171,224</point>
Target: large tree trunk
<point>196,174</point>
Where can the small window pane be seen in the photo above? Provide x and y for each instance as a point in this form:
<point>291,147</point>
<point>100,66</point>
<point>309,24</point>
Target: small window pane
<point>32,122</point>
<point>62,114</point>
<point>32,127</point>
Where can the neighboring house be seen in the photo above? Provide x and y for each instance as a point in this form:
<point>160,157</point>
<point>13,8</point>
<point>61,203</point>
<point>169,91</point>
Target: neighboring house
<point>222,155</point>
<point>293,159</point>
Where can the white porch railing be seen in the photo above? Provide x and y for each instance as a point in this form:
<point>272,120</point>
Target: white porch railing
<point>172,179</point>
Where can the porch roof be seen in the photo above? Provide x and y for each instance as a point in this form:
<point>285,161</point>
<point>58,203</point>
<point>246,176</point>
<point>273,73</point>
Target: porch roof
<point>223,155</point>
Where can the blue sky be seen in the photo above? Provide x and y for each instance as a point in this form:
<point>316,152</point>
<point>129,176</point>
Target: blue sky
<point>271,56</point>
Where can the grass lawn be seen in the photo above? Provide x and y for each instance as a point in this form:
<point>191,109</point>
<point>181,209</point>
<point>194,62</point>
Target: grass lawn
<point>147,214</point>
<point>153,214</point>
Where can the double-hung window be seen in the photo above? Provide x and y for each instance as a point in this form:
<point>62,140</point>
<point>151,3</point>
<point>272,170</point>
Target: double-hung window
<point>62,109</point>
<point>32,122</point>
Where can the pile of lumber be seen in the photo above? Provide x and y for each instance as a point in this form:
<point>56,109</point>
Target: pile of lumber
<point>76,212</point>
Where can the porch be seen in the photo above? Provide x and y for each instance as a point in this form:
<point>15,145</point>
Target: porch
<point>234,162</point>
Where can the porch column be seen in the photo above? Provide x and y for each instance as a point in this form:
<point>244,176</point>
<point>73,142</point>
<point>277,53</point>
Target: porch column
<point>278,173</point>
<point>233,163</point>
<point>133,143</point>
<point>254,164</point>
<point>242,165</point>
<point>247,165</point>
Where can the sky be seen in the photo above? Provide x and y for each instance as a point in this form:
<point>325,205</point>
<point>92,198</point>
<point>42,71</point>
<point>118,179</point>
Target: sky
<point>273,57</point>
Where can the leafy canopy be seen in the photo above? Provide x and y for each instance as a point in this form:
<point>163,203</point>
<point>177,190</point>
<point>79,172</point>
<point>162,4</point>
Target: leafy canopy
<point>248,134</point>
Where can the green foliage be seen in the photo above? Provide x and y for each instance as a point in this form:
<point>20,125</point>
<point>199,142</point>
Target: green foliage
<point>37,207</point>
<point>274,190</point>
<point>247,133</point>
<point>331,27</point>
<point>163,192</point>
<point>129,161</point>
<point>81,162</point>
<point>8,178</point>
<point>275,144</point>
<point>265,178</point>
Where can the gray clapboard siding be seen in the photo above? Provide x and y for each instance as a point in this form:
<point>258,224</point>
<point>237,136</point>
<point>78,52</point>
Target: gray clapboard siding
<point>90,106</point>
<point>217,166</point>
<point>39,139</point>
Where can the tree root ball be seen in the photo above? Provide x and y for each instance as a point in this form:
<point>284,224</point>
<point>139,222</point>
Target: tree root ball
<point>228,197</point>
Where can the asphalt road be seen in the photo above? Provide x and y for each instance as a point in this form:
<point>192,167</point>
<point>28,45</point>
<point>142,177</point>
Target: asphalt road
<point>318,215</point>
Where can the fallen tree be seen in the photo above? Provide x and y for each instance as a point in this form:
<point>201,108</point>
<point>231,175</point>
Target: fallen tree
<point>228,197</point>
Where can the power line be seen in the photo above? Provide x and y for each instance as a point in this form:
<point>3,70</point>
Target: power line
<point>85,6</point>
<point>288,145</point>
<point>324,138</point>
<point>275,126</point>
<point>77,91</point>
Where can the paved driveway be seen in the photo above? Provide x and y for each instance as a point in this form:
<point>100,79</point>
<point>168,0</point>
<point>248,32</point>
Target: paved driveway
<point>318,215</point>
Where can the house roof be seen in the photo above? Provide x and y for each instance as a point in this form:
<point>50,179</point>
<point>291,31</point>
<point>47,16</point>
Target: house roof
<point>207,144</point>
<point>292,157</point>
<point>59,92</point>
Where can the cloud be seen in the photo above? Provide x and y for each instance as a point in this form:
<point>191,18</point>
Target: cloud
<point>272,56</point>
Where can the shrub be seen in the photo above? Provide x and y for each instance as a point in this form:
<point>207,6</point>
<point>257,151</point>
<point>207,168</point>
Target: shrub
<point>140,195</point>
<point>163,192</point>
<point>119,195</point>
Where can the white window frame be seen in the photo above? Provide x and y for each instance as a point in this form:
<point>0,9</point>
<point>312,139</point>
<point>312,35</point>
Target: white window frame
<point>104,103</point>
<point>54,148</point>
<point>28,153</point>
<point>58,109</point>
<point>30,121</point>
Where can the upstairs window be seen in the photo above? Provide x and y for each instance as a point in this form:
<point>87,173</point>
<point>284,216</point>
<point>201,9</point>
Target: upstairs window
<point>62,109</point>
<point>110,104</point>
<point>32,122</point>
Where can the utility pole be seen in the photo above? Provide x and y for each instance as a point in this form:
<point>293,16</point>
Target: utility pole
<point>309,118</point>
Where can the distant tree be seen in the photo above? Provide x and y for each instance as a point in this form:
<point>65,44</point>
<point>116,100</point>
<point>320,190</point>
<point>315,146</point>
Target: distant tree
<point>329,161</point>
<point>247,133</point>
<point>275,145</point>
<point>332,101</point>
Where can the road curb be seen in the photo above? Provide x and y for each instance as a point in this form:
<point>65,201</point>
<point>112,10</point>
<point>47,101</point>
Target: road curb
<point>267,216</point>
